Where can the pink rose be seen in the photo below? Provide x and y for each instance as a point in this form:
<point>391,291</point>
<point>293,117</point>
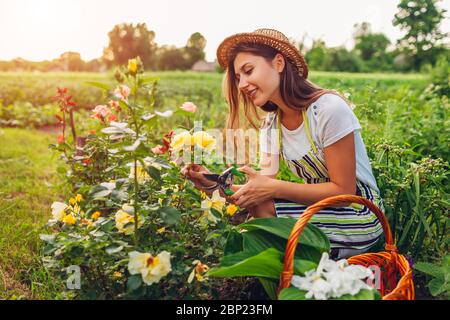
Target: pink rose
<point>100,112</point>
<point>158,149</point>
<point>122,92</point>
<point>114,104</point>
<point>189,107</point>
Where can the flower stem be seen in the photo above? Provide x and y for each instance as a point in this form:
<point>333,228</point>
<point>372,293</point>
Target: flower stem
<point>136,184</point>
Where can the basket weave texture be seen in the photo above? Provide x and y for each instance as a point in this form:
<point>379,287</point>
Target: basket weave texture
<point>396,281</point>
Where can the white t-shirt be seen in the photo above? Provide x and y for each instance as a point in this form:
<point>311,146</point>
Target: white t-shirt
<point>330,119</point>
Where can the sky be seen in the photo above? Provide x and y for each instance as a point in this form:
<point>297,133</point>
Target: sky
<point>43,29</point>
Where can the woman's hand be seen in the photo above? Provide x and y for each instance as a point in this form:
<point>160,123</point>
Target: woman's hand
<point>258,189</point>
<point>194,172</point>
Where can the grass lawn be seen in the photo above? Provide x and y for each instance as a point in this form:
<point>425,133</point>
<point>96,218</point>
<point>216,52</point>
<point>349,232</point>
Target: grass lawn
<point>27,190</point>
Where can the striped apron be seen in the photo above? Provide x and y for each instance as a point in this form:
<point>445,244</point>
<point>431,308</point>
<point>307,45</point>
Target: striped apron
<point>352,230</point>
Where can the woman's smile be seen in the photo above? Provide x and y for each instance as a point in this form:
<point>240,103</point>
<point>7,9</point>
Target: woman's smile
<point>252,93</point>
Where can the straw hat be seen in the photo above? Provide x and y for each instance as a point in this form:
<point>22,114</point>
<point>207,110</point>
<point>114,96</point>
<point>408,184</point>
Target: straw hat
<point>270,37</point>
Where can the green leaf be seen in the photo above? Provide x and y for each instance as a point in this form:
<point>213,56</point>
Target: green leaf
<point>213,234</point>
<point>236,172</point>
<point>98,85</point>
<point>184,113</point>
<point>436,286</point>
<point>102,194</point>
<point>108,226</point>
<point>311,235</point>
<point>364,294</point>
<point>270,286</point>
<point>170,215</point>
<point>260,240</point>
<point>61,170</point>
<point>49,238</point>
<point>234,243</point>
<point>217,214</point>
<point>146,80</point>
<point>113,249</point>
<point>431,269</point>
<point>228,192</point>
<point>265,264</point>
<point>154,173</point>
<point>292,293</point>
<point>123,105</point>
<point>134,282</point>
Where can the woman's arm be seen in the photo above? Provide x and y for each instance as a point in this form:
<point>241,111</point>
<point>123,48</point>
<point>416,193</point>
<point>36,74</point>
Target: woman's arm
<point>341,164</point>
<point>269,165</point>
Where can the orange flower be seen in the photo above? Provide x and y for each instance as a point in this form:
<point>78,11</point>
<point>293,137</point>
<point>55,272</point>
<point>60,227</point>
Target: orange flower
<point>198,271</point>
<point>60,139</point>
<point>112,117</point>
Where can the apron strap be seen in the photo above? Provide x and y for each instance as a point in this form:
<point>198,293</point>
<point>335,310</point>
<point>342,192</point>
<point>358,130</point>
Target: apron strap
<point>308,132</point>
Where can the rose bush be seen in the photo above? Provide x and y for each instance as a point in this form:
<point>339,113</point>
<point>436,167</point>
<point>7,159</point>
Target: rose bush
<point>136,227</point>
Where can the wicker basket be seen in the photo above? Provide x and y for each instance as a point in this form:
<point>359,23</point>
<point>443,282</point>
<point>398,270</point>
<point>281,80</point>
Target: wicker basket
<point>396,281</point>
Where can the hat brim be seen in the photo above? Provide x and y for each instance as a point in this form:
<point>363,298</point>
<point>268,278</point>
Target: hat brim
<point>284,47</point>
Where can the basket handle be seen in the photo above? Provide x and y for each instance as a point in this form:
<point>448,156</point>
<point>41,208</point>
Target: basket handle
<point>288,268</point>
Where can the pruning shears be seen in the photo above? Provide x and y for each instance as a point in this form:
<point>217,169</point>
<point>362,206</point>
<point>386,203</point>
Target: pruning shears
<point>224,180</point>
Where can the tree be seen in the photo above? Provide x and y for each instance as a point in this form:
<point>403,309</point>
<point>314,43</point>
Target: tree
<point>71,61</point>
<point>171,58</point>
<point>344,60</point>
<point>127,41</point>
<point>317,57</point>
<point>94,65</point>
<point>194,49</point>
<point>420,19</point>
<point>372,47</point>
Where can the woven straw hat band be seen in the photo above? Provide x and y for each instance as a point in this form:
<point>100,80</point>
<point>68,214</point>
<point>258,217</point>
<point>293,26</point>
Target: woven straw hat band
<point>269,37</point>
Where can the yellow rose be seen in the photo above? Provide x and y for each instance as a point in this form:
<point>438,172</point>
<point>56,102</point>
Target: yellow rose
<point>132,65</point>
<point>72,201</point>
<point>125,222</point>
<point>76,209</point>
<point>142,175</point>
<point>152,269</point>
<point>58,210</point>
<point>215,202</point>
<point>96,215</point>
<point>69,219</point>
<point>232,209</point>
<point>79,197</point>
<point>161,230</point>
<point>204,140</point>
<point>180,140</point>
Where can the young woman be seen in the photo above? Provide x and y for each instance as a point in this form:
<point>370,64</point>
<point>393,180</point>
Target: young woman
<point>313,130</point>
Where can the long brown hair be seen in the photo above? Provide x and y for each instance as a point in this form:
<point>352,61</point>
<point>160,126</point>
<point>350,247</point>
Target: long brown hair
<point>296,91</point>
